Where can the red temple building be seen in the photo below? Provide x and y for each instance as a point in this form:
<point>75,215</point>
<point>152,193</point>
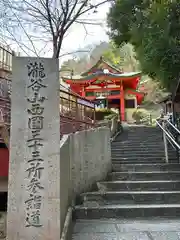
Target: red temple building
<point>109,87</point>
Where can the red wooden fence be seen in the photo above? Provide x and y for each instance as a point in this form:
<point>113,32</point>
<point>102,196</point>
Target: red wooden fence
<point>76,113</point>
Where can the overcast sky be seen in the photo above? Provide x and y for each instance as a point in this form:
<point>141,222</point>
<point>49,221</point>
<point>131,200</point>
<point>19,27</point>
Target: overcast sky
<point>77,37</point>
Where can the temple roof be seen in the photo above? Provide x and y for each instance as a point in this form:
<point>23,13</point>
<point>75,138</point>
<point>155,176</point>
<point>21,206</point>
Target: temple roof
<point>129,80</point>
<point>100,62</point>
<point>102,73</point>
<point>92,76</point>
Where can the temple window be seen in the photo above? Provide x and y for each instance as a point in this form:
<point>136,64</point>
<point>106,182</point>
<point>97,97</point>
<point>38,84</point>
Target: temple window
<point>129,103</point>
<point>114,92</point>
<point>90,94</point>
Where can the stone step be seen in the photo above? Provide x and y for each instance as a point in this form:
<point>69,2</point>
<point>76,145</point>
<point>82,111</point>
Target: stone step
<point>140,136</point>
<point>127,225</point>
<point>145,167</point>
<point>144,138</point>
<point>135,145</point>
<point>130,197</point>
<point>138,144</point>
<point>124,136</point>
<point>131,155</point>
<point>151,185</point>
<point>148,159</point>
<point>140,154</point>
<point>139,140</point>
<point>127,211</point>
<point>115,236</point>
<point>143,129</point>
<point>123,158</point>
<point>142,162</point>
<point>166,175</point>
<point>150,130</point>
<point>136,161</point>
<point>141,149</point>
<point>138,148</point>
<point>136,131</point>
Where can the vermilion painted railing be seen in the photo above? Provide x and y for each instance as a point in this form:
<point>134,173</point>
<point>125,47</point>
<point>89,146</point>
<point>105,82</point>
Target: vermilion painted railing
<point>76,113</point>
<point>5,88</point>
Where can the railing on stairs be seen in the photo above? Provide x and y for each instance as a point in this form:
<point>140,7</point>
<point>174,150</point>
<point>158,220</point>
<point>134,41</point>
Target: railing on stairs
<point>171,135</point>
<point>5,115</point>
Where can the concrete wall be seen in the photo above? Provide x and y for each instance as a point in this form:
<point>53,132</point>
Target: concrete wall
<point>65,178</point>
<point>85,157</point>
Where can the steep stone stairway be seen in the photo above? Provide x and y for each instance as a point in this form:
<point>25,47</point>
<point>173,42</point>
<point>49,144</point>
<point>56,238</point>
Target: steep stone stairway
<point>140,198</point>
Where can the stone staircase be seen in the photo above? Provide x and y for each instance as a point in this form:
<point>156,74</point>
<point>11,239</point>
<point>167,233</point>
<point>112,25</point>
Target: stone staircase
<point>140,198</point>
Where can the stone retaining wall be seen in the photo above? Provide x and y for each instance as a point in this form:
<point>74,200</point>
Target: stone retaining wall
<point>85,158</point>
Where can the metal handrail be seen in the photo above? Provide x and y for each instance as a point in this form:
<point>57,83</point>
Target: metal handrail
<point>177,130</point>
<point>167,134</point>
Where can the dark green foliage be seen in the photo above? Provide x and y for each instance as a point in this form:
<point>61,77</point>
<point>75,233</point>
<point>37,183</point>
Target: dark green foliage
<point>153,27</point>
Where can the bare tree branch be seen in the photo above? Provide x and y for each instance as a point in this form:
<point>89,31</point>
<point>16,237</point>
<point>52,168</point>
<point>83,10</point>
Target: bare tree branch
<point>46,20</point>
<point>74,52</point>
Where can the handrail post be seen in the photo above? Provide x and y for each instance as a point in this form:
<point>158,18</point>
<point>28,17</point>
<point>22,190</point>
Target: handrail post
<point>165,143</point>
<point>176,134</point>
<point>177,150</point>
<point>150,119</point>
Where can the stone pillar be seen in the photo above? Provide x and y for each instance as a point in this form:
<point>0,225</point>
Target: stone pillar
<point>34,169</point>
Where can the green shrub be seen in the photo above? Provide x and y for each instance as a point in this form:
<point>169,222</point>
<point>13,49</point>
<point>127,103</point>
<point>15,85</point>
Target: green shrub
<point>110,116</point>
<point>104,110</point>
<point>139,114</point>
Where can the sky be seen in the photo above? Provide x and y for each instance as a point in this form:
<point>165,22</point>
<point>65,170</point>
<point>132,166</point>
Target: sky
<point>78,38</point>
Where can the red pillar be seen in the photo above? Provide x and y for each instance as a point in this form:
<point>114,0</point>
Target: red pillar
<point>83,93</point>
<point>122,105</point>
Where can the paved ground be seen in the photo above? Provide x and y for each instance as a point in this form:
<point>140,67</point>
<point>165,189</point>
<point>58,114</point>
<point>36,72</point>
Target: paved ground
<point>153,229</point>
